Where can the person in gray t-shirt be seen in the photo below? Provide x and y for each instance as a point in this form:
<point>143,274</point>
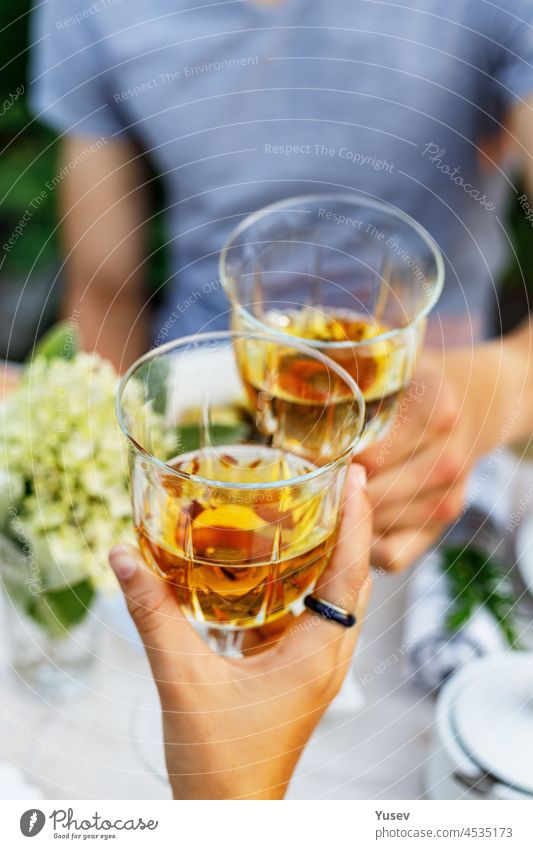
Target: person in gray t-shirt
<point>232,102</point>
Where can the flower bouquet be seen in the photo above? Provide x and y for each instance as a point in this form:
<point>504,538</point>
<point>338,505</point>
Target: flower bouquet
<point>64,501</point>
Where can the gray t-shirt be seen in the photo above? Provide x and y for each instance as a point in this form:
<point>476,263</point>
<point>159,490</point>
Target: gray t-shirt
<point>237,103</point>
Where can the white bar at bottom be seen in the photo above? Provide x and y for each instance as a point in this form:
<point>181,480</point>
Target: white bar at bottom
<point>358,824</point>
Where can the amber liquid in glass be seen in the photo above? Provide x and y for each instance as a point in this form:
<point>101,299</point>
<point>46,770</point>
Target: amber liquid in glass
<point>238,558</point>
<point>381,368</point>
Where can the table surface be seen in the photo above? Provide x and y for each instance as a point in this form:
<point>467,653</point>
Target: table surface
<point>106,741</point>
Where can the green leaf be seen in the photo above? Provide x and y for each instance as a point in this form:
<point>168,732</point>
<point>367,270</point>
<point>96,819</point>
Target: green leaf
<point>11,492</point>
<point>458,617</point>
<point>58,611</point>
<point>192,436</point>
<point>156,379</point>
<point>60,342</point>
<point>13,570</point>
<point>476,580</point>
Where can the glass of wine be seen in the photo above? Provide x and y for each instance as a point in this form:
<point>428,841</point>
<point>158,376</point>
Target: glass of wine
<point>236,500</point>
<point>355,278</point>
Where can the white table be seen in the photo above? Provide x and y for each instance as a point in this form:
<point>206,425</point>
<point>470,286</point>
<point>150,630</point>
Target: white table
<point>87,747</point>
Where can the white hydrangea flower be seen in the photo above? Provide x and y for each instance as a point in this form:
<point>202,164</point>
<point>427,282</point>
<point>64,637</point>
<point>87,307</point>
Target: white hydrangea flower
<point>64,467</point>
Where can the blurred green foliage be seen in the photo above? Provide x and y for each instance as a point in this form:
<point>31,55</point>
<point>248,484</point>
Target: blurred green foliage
<point>27,151</point>
<point>29,159</point>
<point>520,231</point>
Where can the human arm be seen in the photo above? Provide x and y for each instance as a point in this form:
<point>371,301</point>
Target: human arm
<point>103,209</point>
<point>98,180</point>
<point>235,727</point>
<point>468,402</point>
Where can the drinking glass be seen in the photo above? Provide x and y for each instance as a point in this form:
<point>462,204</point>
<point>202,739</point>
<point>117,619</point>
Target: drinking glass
<point>355,278</point>
<point>235,499</point>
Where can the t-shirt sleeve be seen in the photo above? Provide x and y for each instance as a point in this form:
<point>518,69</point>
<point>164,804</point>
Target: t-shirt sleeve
<point>68,81</point>
<point>512,35</point>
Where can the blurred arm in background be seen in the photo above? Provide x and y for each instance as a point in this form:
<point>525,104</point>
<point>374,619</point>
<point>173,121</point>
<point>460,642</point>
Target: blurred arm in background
<point>103,204</point>
<point>473,400</point>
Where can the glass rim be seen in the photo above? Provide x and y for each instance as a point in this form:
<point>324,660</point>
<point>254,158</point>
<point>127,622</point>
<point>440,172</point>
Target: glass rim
<point>228,335</point>
<point>354,198</point>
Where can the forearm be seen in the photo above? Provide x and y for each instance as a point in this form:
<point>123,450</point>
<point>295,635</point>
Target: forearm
<point>518,345</point>
<point>104,209</point>
<point>252,766</point>
<point>490,389</point>
<point>112,322</point>
<point>497,377</point>
<point>516,379</point>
